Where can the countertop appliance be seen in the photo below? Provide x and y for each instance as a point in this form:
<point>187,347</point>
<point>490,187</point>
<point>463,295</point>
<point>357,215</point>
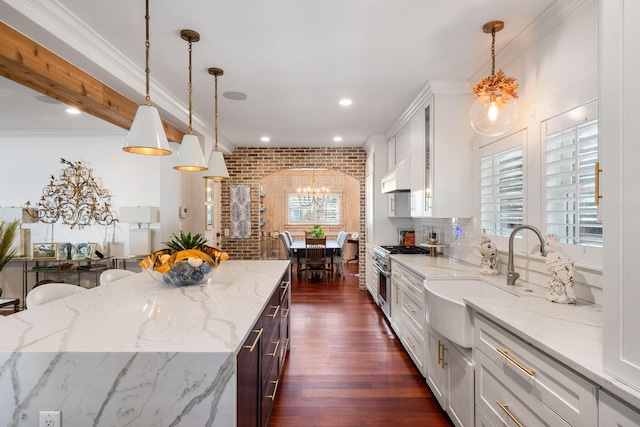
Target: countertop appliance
<point>382,264</point>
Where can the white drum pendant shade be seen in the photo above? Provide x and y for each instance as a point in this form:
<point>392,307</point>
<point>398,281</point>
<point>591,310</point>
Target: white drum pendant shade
<point>146,135</point>
<point>190,157</point>
<point>217,169</point>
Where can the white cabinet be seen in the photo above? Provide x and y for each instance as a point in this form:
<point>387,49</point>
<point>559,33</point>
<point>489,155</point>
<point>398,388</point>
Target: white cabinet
<point>516,381</point>
<point>441,152</point>
<point>408,313</point>
<point>450,376</point>
<point>613,412</point>
<point>399,205</point>
<point>619,127</point>
<point>371,276</point>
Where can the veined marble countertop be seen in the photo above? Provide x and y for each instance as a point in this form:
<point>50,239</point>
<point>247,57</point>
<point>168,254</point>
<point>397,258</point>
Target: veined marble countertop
<point>571,334</point>
<point>135,352</point>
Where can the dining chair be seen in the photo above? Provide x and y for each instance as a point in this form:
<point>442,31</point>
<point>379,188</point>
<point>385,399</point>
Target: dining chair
<point>113,274</point>
<point>316,256</point>
<point>338,256</point>
<point>50,292</point>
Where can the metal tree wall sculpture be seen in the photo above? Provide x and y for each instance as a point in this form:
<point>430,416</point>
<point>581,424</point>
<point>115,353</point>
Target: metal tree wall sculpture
<point>76,197</point>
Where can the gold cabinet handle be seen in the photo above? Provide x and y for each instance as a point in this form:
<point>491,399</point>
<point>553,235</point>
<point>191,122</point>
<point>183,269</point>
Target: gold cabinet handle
<point>252,346</point>
<point>411,344</point>
<point>285,312</point>
<point>505,408</point>
<point>441,350</point>
<point>397,294</point>
<point>275,389</point>
<point>277,307</point>
<point>275,350</point>
<point>506,354</point>
<point>409,307</point>
<point>598,196</point>
<point>284,285</point>
<point>410,281</point>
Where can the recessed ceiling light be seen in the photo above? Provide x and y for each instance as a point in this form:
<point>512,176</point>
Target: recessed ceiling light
<point>72,110</point>
<point>265,139</point>
<point>235,96</point>
<point>345,102</point>
<point>337,139</point>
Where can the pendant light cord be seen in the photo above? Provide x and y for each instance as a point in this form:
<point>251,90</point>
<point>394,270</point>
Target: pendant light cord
<point>216,108</point>
<point>190,90</point>
<point>493,52</point>
<point>147,44</point>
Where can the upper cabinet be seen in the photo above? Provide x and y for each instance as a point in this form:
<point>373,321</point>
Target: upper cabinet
<point>441,151</point>
<point>619,103</point>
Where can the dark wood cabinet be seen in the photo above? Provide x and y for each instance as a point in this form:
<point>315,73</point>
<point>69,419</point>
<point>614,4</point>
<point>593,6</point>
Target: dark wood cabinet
<point>262,357</point>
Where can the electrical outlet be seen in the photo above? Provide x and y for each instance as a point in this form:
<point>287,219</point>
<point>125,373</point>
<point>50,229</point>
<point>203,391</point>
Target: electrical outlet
<point>49,419</point>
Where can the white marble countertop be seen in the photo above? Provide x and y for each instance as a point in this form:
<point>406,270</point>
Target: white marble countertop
<point>138,314</point>
<point>135,352</point>
<point>572,334</point>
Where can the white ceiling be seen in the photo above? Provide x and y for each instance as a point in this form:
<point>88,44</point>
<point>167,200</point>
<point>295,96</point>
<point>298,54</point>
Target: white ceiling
<point>294,59</point>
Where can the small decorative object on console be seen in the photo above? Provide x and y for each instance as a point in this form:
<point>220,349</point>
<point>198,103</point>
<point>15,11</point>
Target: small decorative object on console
<point>188,261</point>
<point>561,284</point>
<point>490,263</point>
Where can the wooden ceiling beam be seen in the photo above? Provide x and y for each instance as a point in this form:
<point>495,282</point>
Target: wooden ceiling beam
<point>26,62</point>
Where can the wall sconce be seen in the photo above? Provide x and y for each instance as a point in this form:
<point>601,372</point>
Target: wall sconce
<point>190,158</point>
<point>495,109</point>
<point>139,238</point>
<point>146,135</point>
<point>216,167</point>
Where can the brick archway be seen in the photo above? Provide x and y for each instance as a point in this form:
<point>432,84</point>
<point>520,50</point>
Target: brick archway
<point>248,165</point>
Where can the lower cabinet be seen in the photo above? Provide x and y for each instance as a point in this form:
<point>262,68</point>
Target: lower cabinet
<point>261,359</point>
<point>450,376</point>
<point>515,381</point>
<point>371,275</point>
<point>615,413</point>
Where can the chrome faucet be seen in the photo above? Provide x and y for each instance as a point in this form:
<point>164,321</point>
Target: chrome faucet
<point>512,276</point>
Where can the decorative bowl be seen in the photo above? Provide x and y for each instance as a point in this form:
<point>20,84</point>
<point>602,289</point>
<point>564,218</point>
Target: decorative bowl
<point>183,268</point>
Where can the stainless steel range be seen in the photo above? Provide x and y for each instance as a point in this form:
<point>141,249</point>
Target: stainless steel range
<point>382,264</point>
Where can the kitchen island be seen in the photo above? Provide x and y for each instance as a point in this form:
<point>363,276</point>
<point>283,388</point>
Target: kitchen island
<point>136,352</point>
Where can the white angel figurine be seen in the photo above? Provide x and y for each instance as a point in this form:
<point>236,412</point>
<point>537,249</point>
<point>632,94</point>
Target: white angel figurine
<point>561,286</point>
<point>490,263</point>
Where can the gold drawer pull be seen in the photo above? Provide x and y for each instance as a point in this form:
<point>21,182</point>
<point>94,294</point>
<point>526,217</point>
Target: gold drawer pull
<point>285,312</point>
<point>505,408</point>
<point>505,353</point>
<point>441,350</point>
<point>275,388</point>
<point>252,346</point>
<point>410,281</point>
<point>275,350</point>
<point>409,307</point>
<point>597,195</point>
<point>277,307</point>
<point>284,285</point>
<point>397,296</point>
<point>411,344</point>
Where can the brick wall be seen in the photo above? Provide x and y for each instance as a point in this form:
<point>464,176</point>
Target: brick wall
<point>248,165</point>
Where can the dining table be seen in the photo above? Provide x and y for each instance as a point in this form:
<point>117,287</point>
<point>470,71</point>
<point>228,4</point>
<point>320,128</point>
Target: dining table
<point>298,247</point>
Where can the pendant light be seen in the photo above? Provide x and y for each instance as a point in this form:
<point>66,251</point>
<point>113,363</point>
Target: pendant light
<point>190,158</point>
<point>495,109</point>
<point>217,169</point>
<point>147,135</point>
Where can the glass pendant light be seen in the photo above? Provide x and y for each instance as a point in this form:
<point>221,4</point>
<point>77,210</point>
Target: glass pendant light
<point>217,169</point>
<point>495,109</point>
<point>146,135</point>
<point>190,157</point>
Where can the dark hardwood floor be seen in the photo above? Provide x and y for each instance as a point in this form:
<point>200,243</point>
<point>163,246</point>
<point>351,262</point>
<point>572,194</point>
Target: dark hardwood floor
<point>346,367</point>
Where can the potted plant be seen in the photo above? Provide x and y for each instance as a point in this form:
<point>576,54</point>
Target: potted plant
<point>187,260</point>
<point>8,233</point>
<point>316,232</point>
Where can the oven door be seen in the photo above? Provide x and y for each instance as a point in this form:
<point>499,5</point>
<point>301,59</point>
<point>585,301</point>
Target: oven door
<point>384,287</point>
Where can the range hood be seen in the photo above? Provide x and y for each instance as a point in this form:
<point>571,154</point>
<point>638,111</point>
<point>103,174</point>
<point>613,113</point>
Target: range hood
<point>399,179</point>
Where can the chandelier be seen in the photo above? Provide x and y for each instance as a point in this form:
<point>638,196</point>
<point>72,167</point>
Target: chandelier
<point>495,109</point>
<point>76,197</point>
<point>312,195</point>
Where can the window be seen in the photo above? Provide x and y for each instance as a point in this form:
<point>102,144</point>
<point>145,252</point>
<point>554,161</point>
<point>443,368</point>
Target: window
<point>501,191</point>
<point>569,154</point>
<point>302,210</point>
